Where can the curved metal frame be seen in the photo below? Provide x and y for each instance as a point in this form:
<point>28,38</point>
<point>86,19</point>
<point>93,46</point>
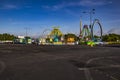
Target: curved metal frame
<point>96,21</point>
<point>85,31</point>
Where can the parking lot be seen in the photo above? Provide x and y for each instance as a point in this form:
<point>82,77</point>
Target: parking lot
<point>68,62</point>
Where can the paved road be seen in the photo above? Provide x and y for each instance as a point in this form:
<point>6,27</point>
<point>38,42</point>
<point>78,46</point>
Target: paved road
<point>31,62</point>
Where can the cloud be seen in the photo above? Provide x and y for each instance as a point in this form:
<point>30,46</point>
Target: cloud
<point>84,3</point>
<point>14,6</point>
<point>9,6</point>
<point>91,3</point>
<point>55,7</point>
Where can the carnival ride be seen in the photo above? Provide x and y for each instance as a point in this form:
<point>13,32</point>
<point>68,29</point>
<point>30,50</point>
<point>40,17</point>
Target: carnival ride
<point>87,34</point>
<point>42,40</point>
<point>92,30</point>
<point>55,36</point>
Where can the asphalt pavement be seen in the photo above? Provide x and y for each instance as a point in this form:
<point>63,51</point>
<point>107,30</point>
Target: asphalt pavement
<point>68,62</point>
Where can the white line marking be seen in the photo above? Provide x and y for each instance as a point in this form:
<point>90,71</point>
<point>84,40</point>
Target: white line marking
<point>87,71</point>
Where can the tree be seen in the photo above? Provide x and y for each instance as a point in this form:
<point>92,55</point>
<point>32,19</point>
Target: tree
<point>111,37</point>
<point>6,36</point>
<point>70,36</point>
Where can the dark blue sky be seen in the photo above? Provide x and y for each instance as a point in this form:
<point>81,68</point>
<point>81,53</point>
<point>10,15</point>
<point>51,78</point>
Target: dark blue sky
<point>38,15</point>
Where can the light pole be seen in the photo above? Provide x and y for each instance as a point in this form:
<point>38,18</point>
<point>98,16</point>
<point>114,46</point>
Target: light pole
<point>90,12</point>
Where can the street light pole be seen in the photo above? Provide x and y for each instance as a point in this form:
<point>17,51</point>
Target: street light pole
<point>90,12</point>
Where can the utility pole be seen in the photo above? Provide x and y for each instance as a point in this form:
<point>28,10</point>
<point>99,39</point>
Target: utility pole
<point>26,31</point>
<point>91,12</point>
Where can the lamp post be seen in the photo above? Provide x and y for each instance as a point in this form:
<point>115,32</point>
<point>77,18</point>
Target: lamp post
<point>90,13</point>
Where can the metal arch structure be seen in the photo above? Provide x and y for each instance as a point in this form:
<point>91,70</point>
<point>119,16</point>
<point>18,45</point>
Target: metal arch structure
<point>101,31</point>
<point>85,33</point>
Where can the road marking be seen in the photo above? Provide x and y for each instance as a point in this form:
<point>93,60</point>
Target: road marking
<point>88,74</point>
<point>113,78</point>
<point>87,71</point>
<point>81,68</point>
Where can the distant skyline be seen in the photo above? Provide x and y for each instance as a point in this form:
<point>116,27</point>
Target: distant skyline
<point>38,15</point>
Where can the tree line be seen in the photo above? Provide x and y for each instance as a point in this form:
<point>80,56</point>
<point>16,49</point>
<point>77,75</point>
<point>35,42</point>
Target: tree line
<point>106,38</point>
<point>6,36</point>
<point>111,37</point>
